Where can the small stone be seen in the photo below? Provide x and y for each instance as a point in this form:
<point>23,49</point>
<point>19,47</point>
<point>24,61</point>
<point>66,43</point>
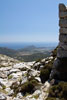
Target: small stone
<point>38,79</point>
<point>19,95</point>
<point>2,97</point>
<point>52,82</point>
<point>11,93</point>
<point>3,74</point>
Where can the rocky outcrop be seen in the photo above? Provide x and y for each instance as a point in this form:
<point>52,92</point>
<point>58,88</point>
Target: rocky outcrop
<point>15,75</point>
<point>59,71</point>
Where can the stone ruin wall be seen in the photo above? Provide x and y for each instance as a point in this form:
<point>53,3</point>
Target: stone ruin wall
<point>62,50</point>
<point>59,71</point>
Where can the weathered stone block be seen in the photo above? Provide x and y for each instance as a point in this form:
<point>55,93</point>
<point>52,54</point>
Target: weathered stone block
<point>63,23</point>
<point>62,7</point>
<point>61,53</point>
<point>63,14</point>
<point>63,38</point>
<point>63,45</point>
<point>63,30</point>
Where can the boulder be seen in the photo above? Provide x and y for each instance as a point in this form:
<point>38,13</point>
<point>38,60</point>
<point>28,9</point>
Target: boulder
<point>19,95</point>
<point>13,71</point>
<point>16,75</point>
<point>24,80</point>
<point>11,93</point>
<point>33,72</point>
<point>3,74</point>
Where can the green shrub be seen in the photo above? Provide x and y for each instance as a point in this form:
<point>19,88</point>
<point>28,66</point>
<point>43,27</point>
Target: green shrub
<point>49,65</point>
<point>27,87</point>
<point>51,98</point>
<point>36,96</point>
<point>44,75</point>
<point>45,72</point>
<point>4,87</point>
<point>59,91</point>
<point>10,77</point>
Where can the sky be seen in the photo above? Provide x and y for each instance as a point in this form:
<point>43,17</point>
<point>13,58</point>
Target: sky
<point>29,20</point>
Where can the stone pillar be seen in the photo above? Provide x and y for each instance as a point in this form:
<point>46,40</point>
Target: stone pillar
<point>59,71</point>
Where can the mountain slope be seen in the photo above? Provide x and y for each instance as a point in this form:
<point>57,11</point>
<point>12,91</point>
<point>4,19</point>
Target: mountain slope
<point>29,53</point>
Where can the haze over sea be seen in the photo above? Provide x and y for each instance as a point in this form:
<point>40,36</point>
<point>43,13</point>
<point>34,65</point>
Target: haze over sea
<point>25,44</point>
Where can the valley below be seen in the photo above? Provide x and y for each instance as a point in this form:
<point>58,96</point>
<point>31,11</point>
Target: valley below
<point>30,53</point>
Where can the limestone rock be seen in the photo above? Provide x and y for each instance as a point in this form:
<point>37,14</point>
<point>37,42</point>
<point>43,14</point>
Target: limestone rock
<point>3,74</point>
<point>2,97</point>
<point>11,93</point>
<point>19,95</point>
<point>14,71</point>
<point>33,72</point>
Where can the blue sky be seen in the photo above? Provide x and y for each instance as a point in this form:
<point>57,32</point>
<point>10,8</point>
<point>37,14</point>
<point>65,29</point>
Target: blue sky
<point>29,20</point>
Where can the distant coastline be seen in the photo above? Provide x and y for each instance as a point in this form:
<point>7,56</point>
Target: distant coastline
<point>25,44</point>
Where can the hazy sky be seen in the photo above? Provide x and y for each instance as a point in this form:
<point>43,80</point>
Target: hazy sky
<point>29,20</point>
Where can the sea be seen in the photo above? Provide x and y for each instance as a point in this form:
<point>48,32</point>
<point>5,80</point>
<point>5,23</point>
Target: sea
<point>26,44</point>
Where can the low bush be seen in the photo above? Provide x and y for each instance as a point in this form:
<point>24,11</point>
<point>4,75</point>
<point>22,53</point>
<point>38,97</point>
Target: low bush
<point>27,87</point>
<point>10,77</point>
<point>44,75</point>
<point>59,91</point>
<point>4,87</point>
<point>50,98</point>
<point>45,71</point>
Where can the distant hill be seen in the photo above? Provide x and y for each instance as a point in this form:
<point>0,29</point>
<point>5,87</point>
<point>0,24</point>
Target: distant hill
<point>7,51</point>
<point>28,48</point>
<point>29,53</point>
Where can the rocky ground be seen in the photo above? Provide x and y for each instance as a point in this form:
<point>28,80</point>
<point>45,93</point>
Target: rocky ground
<point>15,77</point>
